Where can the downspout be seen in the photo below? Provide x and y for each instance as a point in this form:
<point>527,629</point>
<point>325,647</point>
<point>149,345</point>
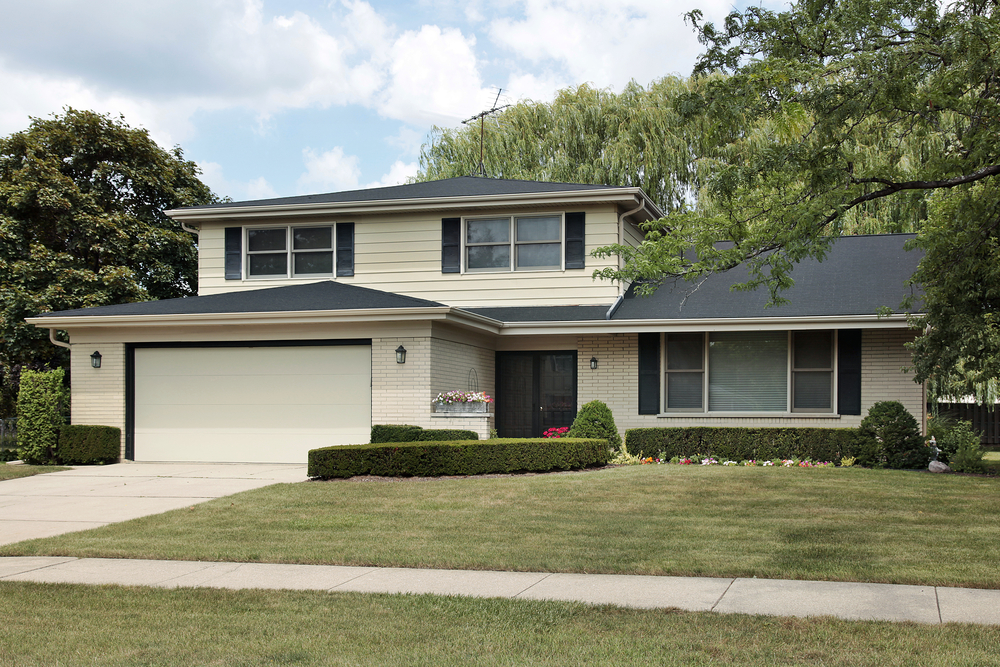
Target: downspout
<point>52,339</point>
<point>621,241</point>
<point>190,230</point>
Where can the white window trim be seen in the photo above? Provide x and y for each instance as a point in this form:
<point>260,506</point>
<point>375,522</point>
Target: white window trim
<point>789,411</point>
<point>512,268</point>
<point>289,252</point>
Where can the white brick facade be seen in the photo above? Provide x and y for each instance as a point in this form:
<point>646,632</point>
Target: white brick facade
<point>616,383</point>
<point>97,396</point>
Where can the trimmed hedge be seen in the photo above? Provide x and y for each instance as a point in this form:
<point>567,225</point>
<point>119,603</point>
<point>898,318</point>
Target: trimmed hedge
<point>83,444</point>
<point>744,444</point>
<point>432,459</point>
<point>403,433</point>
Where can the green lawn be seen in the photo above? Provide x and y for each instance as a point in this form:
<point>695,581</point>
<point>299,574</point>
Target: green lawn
<point>839,524</point>
<point>111,626</point>
<point>13,472</point>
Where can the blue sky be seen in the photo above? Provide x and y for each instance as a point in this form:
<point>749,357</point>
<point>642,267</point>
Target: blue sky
<point>282,97</point>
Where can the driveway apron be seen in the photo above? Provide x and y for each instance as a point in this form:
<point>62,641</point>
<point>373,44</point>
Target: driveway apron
<point>91,496</point>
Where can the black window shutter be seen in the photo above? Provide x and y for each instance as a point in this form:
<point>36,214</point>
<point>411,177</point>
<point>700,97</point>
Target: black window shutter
<point>234,253</point>
<point>649,373</point>
<point>576,240</point>
<point>849,371</point>
<point>345,248</point>
<point>451,245</point>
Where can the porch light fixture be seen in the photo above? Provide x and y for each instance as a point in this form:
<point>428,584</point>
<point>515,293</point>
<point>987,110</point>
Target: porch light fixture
<point>95,360</point>
<point>400,355</point>
<point>593,363</point>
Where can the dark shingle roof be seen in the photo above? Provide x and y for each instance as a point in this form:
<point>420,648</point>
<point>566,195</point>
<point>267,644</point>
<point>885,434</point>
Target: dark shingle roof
<point>325,295</point>
<point>463,186</point>
<point>543,313</point>
<point>859,275</point>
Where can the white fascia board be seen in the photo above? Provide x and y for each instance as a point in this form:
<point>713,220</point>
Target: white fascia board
<point>210,319</point>
<point>610,195</point>
<point>706,324</point>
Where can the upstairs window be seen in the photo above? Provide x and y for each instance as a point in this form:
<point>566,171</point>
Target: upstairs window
<point>528,243</point>
<point>290,252</point>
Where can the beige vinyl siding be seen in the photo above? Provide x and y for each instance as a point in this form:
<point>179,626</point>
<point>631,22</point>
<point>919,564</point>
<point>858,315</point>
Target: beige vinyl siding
<point>402,254</point>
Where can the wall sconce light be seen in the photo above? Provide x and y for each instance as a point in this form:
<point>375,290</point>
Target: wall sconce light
<point>95,360</point>
<point>593,363</point>
<point>400,355</point>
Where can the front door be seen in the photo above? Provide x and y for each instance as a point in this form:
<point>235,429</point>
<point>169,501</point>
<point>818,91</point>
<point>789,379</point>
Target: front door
<point>535,391</point>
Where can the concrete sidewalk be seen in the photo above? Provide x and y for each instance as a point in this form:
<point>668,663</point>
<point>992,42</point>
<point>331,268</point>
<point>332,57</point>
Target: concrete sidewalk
<point>92,496</point>
<point>922,604</point>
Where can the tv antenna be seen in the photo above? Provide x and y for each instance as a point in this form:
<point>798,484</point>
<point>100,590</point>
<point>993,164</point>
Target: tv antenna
<point>481,117</point>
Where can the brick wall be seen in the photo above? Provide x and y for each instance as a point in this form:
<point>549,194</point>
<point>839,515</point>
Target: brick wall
<point>616,383</point>
<point>98,394</point>
<point>403,393</point>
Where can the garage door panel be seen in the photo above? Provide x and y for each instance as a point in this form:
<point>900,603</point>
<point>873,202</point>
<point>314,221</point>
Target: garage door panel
<point>287,418</point>
<point>260,404</point>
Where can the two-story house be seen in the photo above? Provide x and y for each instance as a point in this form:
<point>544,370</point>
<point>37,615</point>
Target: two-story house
<point>320,315</point>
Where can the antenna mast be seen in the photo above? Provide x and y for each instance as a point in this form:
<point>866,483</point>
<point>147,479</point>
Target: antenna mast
<point>481,117</point>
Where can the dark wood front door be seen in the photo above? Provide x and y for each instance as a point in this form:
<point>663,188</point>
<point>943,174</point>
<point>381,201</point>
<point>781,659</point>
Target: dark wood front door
<point>535,391</point>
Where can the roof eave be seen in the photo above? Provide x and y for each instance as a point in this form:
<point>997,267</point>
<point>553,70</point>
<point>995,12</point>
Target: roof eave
<point>618,195</point>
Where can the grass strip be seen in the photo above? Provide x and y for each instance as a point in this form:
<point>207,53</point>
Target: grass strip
<point>13,472</point>
<point>821,524</point>
<point>47,624</point>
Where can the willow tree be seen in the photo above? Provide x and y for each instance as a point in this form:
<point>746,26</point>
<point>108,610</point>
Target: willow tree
<point>844,112</point>
<point>639,137</point>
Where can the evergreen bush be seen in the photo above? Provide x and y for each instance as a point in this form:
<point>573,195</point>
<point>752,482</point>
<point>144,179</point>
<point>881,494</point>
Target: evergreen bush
<point>738,443</point>
<point>84,444</point>
<point>40,404</point>
<point>968,450</point>
<point>889,437</point>
<point>404,433</point>
<point>464,457</point>
<point>594,420</point>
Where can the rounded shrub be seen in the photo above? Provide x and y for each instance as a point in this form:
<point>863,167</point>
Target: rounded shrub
<point>594,420</point>
<point>889,437</point>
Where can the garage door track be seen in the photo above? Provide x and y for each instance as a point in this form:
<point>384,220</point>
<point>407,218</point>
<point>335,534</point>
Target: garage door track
<point>91,496</point>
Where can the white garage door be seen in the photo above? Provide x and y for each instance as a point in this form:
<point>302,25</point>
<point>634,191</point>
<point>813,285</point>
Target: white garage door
<point>250,404</point>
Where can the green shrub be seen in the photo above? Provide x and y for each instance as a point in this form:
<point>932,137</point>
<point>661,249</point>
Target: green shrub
<point>949,434</point>
<point>743,444</point>
<point>594,420</point>
<point>404,433</point>
<point>443,434</point>
<point>968,456</point>
<point>84,444</point>
<point>430,459</point>
<point>40,403</point>
<point>394,433</point>
<point>890,437</point>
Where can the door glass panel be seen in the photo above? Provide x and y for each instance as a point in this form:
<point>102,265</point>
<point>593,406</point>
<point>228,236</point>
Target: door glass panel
<point>514,396</point>
<point>557,391</point>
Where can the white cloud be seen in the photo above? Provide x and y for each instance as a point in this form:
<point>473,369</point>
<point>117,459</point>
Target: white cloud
<point>398,174</point>
<point>329,172</point>
<point>604,43</point>
<point>434,77</point>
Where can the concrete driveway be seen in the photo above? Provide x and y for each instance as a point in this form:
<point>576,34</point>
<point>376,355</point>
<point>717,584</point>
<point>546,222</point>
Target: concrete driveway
<point>91,496</point>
